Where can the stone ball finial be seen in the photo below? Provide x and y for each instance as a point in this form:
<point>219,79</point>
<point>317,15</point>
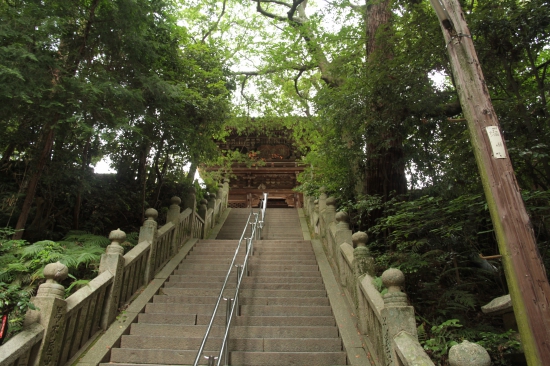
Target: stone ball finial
<point>341,217</point>
<point>322,189</point>
<point>468,354</point>
<point>175,200</point>
<point>118,236</point>
<point>393,279</point>
<point>203,202</point>
<point>331,201</point>
<point>151,214</point>
<point>360,239</point>
<point>55,272</point>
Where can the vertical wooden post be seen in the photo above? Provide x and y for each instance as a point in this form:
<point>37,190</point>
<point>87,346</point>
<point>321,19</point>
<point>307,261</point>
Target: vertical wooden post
<point>525,273</point>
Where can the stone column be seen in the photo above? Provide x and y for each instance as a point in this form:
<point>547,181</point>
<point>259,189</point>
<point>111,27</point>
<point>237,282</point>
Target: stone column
<point>203,210</point>
<point>468,354</point>
<point>219,203</point>
<point>148,232</point>
<point>173,216</point>
<point>50,313</point>
<point>322,199</point>
<point>315,218</point>
<point>211,200</point>
<point>363,262</point>
<point>190,200</point>
<point>342,233</point>
<point>397,316</point>
<point>330,211</point>
<point>113,261</point>
<point>174,210</point>
<point>226,192</point>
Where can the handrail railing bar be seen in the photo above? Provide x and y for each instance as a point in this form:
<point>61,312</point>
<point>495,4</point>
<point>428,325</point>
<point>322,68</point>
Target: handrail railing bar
<point>224,349</point>
<point>241,270</point>
<point>209,328</point>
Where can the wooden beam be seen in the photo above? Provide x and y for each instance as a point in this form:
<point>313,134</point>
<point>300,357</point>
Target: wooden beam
<point>524,269</point>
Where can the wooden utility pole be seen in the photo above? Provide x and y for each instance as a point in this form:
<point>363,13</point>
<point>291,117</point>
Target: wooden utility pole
<point>525,273</point>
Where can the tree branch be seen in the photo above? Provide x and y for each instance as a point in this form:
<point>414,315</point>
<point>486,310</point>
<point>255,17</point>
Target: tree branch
<point>275,2</point>
<point>260,10</point>
<point>215,25</point>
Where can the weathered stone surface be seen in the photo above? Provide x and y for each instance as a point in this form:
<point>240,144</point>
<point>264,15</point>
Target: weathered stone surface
<point>498,306</point>
<point>359,238</point>
<point>409,351</point>
<point>363,262</point>
<point>468,354</point>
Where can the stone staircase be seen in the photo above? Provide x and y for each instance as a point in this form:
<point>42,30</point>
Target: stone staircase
<point>285,315</point>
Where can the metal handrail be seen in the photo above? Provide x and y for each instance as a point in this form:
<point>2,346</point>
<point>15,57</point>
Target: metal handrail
<point>220,296</point>
<point>262,215</point>
<point>233,302</point>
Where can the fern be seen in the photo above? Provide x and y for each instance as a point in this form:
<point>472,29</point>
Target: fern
<point>75,285</point>
<point>84,238</point>
<point>454,299</point>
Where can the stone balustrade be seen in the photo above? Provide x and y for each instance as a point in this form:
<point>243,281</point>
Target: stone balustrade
<point>386,322</point>
<point>61,329</point>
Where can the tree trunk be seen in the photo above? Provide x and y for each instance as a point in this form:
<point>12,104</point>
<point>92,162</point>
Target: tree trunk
<point>48,138</point>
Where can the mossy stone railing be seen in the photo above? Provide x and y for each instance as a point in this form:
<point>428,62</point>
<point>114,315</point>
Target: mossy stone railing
<point>387,322</point>
<point>62,328</point>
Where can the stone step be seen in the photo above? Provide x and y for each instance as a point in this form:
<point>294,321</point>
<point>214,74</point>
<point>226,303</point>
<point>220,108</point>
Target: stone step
<point>250,293</point>
<point>253,260</point>
<point>256,279</point>
<point>245,310</point>
<point>171,330</point>
<point>235,344</point>
<point>257,256</point>
<point>258,272</point>
<point>247,285</point>
<point>211,300</point>
<point>282,310</point>
<point>242,320</point>
<point>287,358</point>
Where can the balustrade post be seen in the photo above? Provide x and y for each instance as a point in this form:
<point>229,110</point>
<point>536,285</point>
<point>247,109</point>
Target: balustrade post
<point>173,216</point>
<point>219,206</point>
<point>50,313</point>
<point>322,199</point>
<point>330,211</point>
<point>315,218</point>
<point>343,233</point>
<point>212,205</point>
<point>211,200</point>
<point>226,193</point>
<point>190,200</point>
<point>148,232</point>
<point>397,316</point>
<point>363,262</point>
<point>203,210</point>
<point>113,261</point>
<point>468,354</point>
